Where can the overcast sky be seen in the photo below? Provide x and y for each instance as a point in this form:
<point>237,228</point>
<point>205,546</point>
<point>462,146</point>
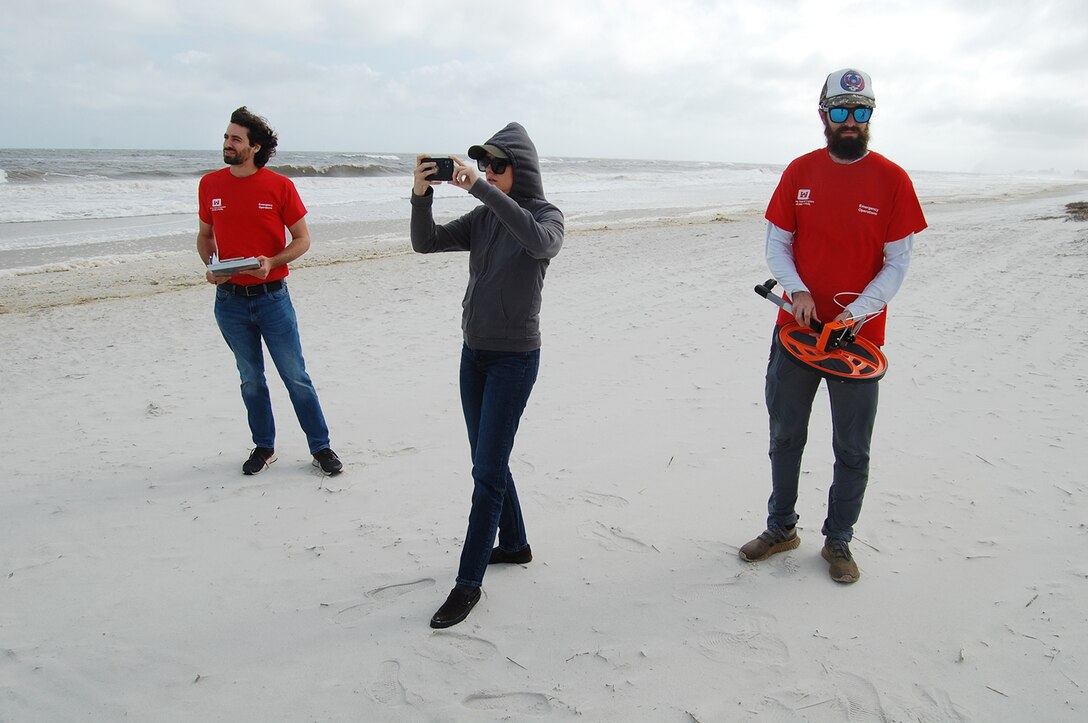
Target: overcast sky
<point>961,85</point>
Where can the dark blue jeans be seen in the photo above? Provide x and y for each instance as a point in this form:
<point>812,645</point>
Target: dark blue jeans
<point>245,322</point>
<point>495,387</point>
<point>790,391</point>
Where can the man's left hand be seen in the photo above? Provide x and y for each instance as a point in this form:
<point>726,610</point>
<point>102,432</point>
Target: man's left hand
<point>265,269</point>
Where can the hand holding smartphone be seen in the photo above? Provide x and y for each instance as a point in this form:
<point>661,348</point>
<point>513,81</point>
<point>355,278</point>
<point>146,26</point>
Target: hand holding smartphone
<point>443,169</point>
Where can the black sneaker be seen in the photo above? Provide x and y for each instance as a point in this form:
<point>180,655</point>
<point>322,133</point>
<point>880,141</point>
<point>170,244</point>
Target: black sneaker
<point>457,607</point>
<point>258,460</point>
<point>327,460</point>
<point>501,556</point>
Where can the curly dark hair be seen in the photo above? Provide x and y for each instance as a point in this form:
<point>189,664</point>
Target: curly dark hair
<point>260,134</point>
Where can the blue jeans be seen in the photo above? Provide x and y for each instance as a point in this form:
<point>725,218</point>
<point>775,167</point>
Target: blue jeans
<point>790,391</point>
<point>244,322</point>
<point>495,387</point>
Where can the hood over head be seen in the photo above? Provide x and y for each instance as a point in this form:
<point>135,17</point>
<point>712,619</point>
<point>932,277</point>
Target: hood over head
<point>514,143</point>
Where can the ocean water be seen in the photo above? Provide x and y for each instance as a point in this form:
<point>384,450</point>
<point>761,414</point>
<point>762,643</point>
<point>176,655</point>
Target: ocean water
<point>59,206</point>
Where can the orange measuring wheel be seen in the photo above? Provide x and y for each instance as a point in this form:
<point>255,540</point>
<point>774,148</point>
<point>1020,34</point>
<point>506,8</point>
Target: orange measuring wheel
<point>832,349</point>
<point>853,360</point>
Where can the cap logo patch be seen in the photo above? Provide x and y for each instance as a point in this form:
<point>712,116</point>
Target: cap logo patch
<point>852,82</point>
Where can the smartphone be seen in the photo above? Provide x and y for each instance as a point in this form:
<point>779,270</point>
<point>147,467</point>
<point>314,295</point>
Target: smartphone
<point>444,171</point>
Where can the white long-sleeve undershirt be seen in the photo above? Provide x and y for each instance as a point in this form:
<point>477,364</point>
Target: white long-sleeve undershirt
<point>874,297</point>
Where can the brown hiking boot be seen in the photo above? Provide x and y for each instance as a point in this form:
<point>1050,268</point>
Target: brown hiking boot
<point>771,541</point>
<point>843,568</point>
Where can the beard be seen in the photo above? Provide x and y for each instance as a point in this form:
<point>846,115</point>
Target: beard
<point>847,148</point>
<point>234,158</point>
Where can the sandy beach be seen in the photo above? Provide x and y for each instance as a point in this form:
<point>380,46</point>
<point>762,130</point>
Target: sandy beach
<point>143,578</point>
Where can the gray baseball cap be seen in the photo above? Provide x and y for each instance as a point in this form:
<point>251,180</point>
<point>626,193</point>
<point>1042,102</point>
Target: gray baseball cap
<point>848,86</point>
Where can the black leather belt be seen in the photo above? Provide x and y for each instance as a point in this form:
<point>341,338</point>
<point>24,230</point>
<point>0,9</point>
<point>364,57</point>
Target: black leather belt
<point>252,289</point>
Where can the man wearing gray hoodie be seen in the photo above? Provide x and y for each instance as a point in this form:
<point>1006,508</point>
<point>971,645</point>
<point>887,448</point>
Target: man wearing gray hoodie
<point>510,238</point>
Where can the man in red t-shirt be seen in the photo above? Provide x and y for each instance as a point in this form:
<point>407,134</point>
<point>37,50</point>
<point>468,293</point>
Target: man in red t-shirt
<point>244,209</point>
<point>841,225</point>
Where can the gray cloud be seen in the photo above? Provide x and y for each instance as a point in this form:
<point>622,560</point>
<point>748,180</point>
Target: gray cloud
<point>962,85</point>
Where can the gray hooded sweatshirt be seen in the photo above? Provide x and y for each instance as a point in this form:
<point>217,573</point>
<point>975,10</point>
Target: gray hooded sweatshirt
<point>510,239</point>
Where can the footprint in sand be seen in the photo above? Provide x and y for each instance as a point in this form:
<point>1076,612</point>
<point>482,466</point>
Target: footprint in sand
<point>858,698</point>
<point>707,591</point>
<point>612,538</point>
<point>727,646</point>
<point>397,452</point>
<point>772,710</point>
<point>392,592</point>
<point>352,614</point>
<point>785,566</point>
<point>386,688</point>
<point>943,709</point>
<point>550,501</point>
<point>747,636</point>
<point>522,466</point>
<point>845,696</point>
<point>510,703</point>
<point>600,499</point>
<point>452,648</point>
<point>472,647</point>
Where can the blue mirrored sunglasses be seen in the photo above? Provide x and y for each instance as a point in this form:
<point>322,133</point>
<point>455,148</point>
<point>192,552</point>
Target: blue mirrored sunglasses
<point>839,115</point>
<point>498,165</point>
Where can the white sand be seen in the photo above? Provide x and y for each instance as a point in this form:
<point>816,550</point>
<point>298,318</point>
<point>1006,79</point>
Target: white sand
<point>143,578</point>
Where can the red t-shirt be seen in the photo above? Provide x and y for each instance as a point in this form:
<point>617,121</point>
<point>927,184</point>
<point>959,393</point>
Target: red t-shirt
<point>841,216</point>
<point>249,215</point>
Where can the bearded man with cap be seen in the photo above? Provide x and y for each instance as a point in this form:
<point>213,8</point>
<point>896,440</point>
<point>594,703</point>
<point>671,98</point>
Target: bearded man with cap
<point>841,223</point>
<point>510,237</point>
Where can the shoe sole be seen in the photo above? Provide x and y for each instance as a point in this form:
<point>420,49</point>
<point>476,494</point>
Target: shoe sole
<point>774,549</point>
<point>267,463</point>
<point>845,579</point>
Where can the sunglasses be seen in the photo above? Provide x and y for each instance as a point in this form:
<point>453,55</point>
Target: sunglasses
<point>498,165</point>
<point>839,115</point>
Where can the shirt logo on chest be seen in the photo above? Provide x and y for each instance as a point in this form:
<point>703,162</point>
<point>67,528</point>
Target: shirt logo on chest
<point>265,206</point>
<point>217,204</point>
<point>804,197</point>
<point>868,210</point>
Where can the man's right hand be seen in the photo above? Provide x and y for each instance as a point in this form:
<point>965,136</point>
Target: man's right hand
<point>804,308</point>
